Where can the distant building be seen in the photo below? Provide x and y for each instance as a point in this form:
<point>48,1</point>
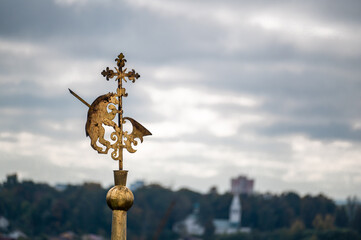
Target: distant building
<point>235,213</point>
<point>91,237</point>
<point>61,187</point>
<point>233,223</point>
<point>4,223</point>
<point>68,235</point>
<point>221,226</point>
<point>239,185</point>
<point>190,226</point>
<point>242,185</point>
<point>65,236</point>
<point>16,234</point>
<point>136,185</point>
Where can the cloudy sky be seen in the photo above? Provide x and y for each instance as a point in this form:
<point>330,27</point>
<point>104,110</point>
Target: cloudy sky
<point>270,89</point>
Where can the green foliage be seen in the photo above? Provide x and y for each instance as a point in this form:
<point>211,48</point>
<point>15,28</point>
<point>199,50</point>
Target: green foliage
<point>311,206</point>
<point>323,223</point>
<point>39,208</point>
<point>356,221</point>
<point>297,226</point>
<point>341,218</point>
<point>40,211</point>
<point>284,234</point>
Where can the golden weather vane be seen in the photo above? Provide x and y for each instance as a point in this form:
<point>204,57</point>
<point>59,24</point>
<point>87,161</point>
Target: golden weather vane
<point>102,112</point>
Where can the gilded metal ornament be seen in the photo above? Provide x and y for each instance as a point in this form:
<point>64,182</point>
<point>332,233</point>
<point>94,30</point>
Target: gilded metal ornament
<point>103,111</point>
<point>101,116</point>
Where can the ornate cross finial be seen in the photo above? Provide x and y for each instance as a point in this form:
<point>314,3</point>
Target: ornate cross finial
<point>120,73</point>
<point>103,111</point>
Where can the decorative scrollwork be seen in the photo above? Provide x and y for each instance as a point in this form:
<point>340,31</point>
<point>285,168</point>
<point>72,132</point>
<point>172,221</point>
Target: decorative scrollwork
<point>119,73</point>
<point>102,112</point>
<point>138,132</point>
<point>117,146</point>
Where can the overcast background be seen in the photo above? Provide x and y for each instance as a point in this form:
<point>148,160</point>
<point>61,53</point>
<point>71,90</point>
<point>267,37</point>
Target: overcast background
<point>270,89</point>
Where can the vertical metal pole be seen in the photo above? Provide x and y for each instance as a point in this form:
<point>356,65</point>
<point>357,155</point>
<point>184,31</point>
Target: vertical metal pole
<point>119,199</point>
<point>120,120</point>
<point>119,225</point>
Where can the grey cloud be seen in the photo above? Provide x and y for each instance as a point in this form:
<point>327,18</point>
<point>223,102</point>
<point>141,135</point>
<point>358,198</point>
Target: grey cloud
<point>322,131</point>
<point>310,89</point>
<point>33,168</point>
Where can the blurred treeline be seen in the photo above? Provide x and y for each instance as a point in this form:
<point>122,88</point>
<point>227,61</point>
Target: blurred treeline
<point>39,210</point>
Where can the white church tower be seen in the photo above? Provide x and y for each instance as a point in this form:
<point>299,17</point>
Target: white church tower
<point>235,212</point>
<point>239,185</point>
